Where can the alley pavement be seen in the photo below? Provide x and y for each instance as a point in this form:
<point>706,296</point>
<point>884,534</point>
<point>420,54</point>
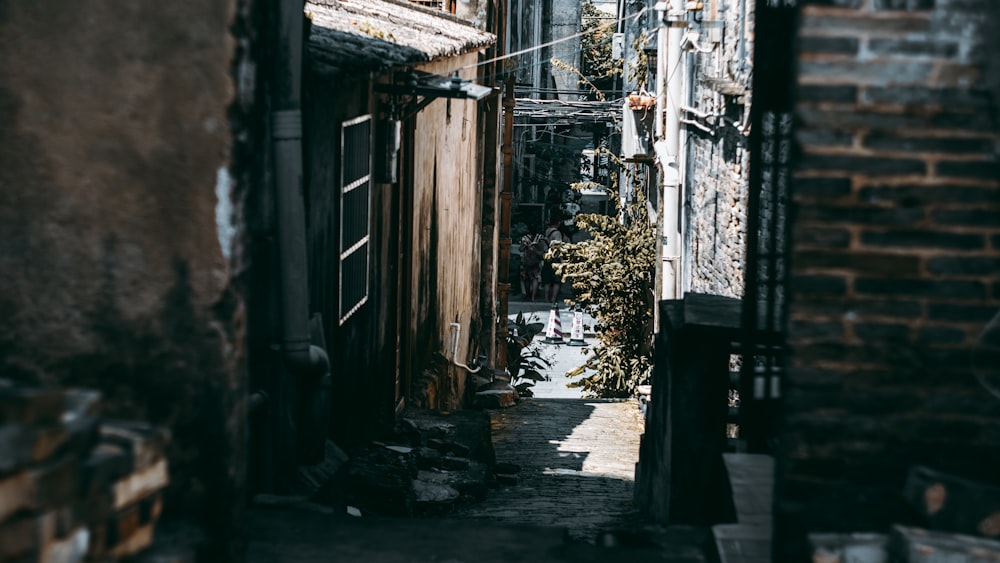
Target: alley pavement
<point>576,464</point>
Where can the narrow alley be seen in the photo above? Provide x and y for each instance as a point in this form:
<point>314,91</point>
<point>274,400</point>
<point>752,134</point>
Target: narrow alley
<point>576,464</point>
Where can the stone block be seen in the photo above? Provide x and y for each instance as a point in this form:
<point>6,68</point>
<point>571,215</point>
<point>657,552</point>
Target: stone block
<point>882,332</point>
<point>822,187</point>
<point>866,73</point>
<point>971,265</point>
<point>922,288</point>
<point>967,217</point>
<point>910,238</point>
<point>872,263</point>
<point>863,164</point>
<point>829,46</point>
<point>907,47</point>
<point>909,5</point>
<point>941,335</point>
<point>985,170</point>
<point>819,284</point>
<point>934,193</point>
<point>911,143</point>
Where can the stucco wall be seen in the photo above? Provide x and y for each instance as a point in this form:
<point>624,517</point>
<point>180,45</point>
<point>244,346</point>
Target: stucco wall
<point>447,204</point>
<point>114,136</point>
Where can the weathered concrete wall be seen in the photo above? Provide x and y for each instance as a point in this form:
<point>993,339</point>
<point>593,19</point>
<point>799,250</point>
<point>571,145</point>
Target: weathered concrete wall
<point>718,161</point>
<point>115,221</point>
<point>447,207</point>
<point>896,259</point>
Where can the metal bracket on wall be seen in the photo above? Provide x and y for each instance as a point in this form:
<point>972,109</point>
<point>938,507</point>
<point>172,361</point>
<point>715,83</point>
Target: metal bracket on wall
<point>430,87</point>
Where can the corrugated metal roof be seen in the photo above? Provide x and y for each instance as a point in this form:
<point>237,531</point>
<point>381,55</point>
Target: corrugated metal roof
<point>365,35</point>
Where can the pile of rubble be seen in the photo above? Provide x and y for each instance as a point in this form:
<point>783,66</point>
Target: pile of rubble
<point>74,487</point>
<point>959,520</point>
<point>432,462</point>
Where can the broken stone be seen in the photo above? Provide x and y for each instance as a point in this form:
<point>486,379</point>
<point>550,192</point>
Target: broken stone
<point>428,458</point>
<point>399,449</point>
<point>452,462</point>
<point>380,481</point>
<point>497,398</point>
<point>471,483</point>
<point>433,493</point>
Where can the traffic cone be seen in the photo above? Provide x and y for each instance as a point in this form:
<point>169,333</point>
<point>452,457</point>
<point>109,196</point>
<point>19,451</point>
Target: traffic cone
<point>576,332</point>
<point>553,332</point>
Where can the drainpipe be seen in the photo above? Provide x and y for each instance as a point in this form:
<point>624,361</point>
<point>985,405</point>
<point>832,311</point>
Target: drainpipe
<point>308,362</point>
<point>670,88</point>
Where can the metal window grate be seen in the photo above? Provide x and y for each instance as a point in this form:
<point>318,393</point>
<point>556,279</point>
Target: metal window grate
<point>355,208</point>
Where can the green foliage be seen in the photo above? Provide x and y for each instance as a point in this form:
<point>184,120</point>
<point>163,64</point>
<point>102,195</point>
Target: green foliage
<point>638,72</point>
<point>599,69</point>
<point>525,361</point>
<point>612,276</point>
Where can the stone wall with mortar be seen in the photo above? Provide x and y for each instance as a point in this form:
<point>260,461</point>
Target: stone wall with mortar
<point>896,260</point>
<point>716,149</point>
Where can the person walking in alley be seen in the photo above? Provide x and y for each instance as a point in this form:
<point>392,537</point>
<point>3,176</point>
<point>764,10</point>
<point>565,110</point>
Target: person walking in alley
<point>551,282</point>
<point>532,249</point>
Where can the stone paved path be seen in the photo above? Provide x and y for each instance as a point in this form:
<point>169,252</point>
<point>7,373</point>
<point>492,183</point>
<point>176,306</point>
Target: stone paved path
<point>577,460</point>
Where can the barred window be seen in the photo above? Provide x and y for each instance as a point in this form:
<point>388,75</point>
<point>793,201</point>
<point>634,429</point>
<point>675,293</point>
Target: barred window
<point>355,203</point>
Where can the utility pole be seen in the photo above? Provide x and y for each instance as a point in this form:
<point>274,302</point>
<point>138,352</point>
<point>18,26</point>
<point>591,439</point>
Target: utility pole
<point>503,273</point>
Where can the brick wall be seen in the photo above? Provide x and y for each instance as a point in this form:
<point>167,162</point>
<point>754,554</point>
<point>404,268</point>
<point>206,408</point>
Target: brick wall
<point>717,161</point>
<point>896,258</point>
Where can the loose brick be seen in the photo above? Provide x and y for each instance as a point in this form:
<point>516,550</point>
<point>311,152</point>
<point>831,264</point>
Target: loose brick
<point>904,4</point>
<point>842,24</point>
<point>967,100</point>
<point>821,187</point>
<point>815,377</point>
<point>972,265</point>
<point>829,45</point>
<point>825,138</point>
<point>888,141</point>
<point>882,332</point>
<point>833,3</point>
<point>819,284</point>
<point>962,122</point>
<point>961,313</point>
<point>867,263</point>
<point>967,217</point>
<point>933,193</point>
<point>827,93</point>
<point>941,335</point>
<point>873,73</point>
<point>923,239</point>
<point>886,308</point>
<point>821,236</point>
<point>817,330</point>
<point>913,48</point>
<point>923,288</point>
<point>862,164</point>
<point>966,169</point>
<point>839,119</point>
<point>861,215</point>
